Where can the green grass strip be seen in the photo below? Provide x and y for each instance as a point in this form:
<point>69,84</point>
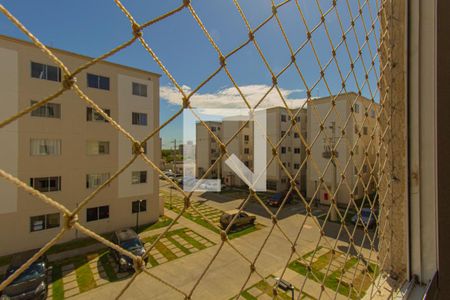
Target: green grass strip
<point>109,270</point>
<point>85,278</point>
<point>165,251</point>
<point>192,241</point>
<point>181,247</point>
<point>57,283</point>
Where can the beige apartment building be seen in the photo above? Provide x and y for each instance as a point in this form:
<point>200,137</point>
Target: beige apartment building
<point>65,149</point>
<point>291,151</point>
<point>357,133</point>
<point>207,151</point>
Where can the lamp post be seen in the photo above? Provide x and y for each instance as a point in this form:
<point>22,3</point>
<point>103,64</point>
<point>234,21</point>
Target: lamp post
<point>285,286</point>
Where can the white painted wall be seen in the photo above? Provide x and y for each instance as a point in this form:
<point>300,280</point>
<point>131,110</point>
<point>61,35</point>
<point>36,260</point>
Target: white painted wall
<point>9,101</point>
<point>129,103</point>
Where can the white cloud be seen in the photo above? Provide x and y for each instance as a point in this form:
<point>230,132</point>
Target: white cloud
<point>230,97</point>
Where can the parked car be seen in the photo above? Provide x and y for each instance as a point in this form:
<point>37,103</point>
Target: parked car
<point>168,173</point>
<point>242,220</point>
<point>276,199</point>
<point>367,218</point>
<point>129,240</point>
<point>32,283</point>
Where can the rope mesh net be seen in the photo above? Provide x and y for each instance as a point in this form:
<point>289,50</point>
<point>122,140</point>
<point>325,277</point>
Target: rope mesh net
<point>362,35</point>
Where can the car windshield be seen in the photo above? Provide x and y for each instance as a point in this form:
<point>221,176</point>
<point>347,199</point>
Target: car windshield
<point>277,197</point>
<point>34,271</point>
<point>365,213</point>
<point>131,244</point>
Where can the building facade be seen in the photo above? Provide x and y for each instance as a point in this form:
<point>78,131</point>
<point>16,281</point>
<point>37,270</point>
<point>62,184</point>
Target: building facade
<point>65,149</point>
<point>356,150</point>
<point>291,150</point>
<point>207,151</point>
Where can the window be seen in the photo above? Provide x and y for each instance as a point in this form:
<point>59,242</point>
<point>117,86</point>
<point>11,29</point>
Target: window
<point>213,128</point>
<point>95,180</point>
<point>365,130</point>
<point>246,138</point>
<point>283,180</point>
<point>296,135</point>
<point>213,161</point>
<point>296,166</point>
<point>213,150</point>
<point>365,169</point>
<point>297,150</point>
<point>283,133</point>
<point>97,147</point>
<point>356,108</point>
<point>93,116</point>
<point>246,150</point>
<point>283,118</point>
<point>271,184</point>
<point>48,110</point>
<point>297,118</point>
<point>247,163</point>
<point>139,89</point>
<point>46,184</point>
<point>139,119</point>
<point>138,177</point>
<point>98,82</point>
<point>138,206</point>
<point>46,72</point>
<point>283,149</point>
<point>45,147</point>
<point>97,213</point>
<point>38,223</point>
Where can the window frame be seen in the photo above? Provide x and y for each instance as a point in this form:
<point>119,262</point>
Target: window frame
<point>99,78</point>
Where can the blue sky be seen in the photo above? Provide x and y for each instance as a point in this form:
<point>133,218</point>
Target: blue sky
<point>93,29</point>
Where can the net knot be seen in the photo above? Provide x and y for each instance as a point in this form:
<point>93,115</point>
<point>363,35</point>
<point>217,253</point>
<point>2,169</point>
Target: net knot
<point>70,220</point>
<point>137,148</point>
<point>222,61</point>
<point>186,102</point>
<point>69,81</point>
<point>252,267</point>
<point>138,264</point>
<point>223,235</point>
<point>137,30</point>
<point>187,202</point>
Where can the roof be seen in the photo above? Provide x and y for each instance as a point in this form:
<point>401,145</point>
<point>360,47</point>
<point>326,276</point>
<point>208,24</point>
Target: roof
<point>126,234</point>
<point>27,43</point>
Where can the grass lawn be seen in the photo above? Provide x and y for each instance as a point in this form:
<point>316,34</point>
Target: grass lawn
<point>332,280</point>
<point>57,285</point>
<point>267,289</point>
<point>85,278</point>
<point>109,270</point>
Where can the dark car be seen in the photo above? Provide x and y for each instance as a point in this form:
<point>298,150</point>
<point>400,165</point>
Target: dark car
<point>129,240</point>
<point>31,283</point>
<point>242,220</point>
<point>367,218</point>
<point>276,199</point>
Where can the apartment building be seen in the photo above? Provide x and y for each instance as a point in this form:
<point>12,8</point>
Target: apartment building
<point>356,151</point>
<point>291,151</point>
<point>207,150</point>
<point>65,149</point>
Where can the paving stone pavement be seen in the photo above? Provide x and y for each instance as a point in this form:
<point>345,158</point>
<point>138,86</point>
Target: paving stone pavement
<point>70,281</point>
